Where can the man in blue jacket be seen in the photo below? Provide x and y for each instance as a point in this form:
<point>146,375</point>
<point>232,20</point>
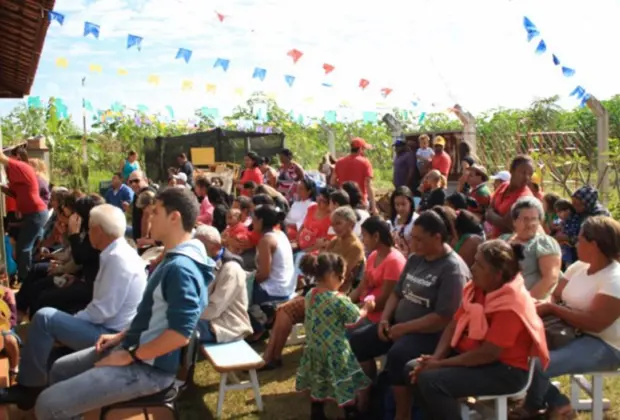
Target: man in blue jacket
<point>144,359</point>
<point>119,194</point>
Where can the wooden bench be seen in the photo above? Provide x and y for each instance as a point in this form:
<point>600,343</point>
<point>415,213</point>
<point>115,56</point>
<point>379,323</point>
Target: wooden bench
<point>229,358</point>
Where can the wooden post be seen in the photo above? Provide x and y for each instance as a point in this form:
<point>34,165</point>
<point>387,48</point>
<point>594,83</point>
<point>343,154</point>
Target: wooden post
<point>602,140</point>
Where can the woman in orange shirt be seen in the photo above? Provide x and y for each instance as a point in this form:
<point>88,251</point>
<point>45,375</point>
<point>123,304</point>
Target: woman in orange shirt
<point>497,217</point>
<point>486,349</point>
<point>252,172</point>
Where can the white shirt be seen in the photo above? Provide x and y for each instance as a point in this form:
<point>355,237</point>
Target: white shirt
<point>404,229</point>
<point>297,213</point>
<point>582,288</point>
<point>425,154</point>
<point>281,281</point>
<point>118,287</point>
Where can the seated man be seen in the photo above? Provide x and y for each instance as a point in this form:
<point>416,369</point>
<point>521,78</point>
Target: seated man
<point>118,289</point>
<point>143,359</point>
<point>226,317</point>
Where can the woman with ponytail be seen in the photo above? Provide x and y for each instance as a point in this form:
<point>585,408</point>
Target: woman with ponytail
<point>328,368</point>
<point>486,348</point>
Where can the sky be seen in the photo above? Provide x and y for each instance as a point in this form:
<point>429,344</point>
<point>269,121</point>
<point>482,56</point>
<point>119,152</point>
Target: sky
<point>433,52</point>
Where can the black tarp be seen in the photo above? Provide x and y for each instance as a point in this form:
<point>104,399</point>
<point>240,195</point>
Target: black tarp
<point>230,146</point>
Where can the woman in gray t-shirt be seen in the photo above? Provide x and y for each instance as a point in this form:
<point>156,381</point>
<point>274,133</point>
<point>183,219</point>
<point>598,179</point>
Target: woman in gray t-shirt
<point>422,304</point>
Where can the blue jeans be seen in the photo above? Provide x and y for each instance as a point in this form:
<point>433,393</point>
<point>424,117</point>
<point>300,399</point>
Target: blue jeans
<point>47,327</point>
<point>206,334</point>
<point>583,355</point>
<point>78,387</point>
<point>30,230</point>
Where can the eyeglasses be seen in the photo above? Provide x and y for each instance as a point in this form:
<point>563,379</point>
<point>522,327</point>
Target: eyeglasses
<point>134,181</point>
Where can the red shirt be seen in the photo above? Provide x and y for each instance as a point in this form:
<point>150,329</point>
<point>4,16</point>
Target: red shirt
<point>354,168</point>
<point>388,270</point>
<point>313,228</point>
<point>503,200</point>
<point>442,162</point>
<point>251,174</point>
<point>11,204</point>
<point>506,330</point>
<point>25,186</point>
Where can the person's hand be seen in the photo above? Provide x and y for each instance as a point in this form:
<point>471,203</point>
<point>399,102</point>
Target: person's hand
<point>544,308</point>
<point>125,206</point>
<point>119,357</point>
<point>70,279</point>
<point>142,242</point>
<point>373,210</point>
<point>424,362</point>
<point>369,305</point>
<point>75,222</point>
<point>383,331</point>
<point>397,331</point>
<point>53,265</point>
<point>106,341</point>
<point>44,252</point>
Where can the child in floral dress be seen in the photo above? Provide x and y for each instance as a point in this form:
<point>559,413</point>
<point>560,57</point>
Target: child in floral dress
<point>328,368</point>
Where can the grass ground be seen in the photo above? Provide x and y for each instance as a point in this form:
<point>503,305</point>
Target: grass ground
<point>281,402</point>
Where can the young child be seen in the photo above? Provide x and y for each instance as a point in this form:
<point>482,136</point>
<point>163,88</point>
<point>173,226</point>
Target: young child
<point>424,154</point>
<point>566,235</point>
<point>235,229</point>
<point>552,222</point>
<point>328,367</point>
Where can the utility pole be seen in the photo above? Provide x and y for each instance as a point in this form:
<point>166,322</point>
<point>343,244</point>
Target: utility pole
<point>84,141</point>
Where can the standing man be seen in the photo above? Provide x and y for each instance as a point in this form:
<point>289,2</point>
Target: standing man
<point>138,183</point>
<point>145,358</point>
<point>24,187</point>
<point>186,167</point>
<point>356,168</point>
<point>441,161</point>
<point>119,194</point>
<point>404,165</point>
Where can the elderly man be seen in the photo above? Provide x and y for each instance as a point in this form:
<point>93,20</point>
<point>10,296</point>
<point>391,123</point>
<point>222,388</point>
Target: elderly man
<point>118,290</point>
<point>226,316</point>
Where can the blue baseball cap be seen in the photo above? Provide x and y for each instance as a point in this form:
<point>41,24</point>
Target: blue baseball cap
<point>399,142</point>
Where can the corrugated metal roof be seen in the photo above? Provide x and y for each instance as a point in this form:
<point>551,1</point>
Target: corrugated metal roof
<point>23,26</point>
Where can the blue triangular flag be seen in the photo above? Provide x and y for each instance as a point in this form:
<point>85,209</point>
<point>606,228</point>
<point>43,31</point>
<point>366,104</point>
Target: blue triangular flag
<point>330,116</point>
<point>55,16</point>
<point>541,48</point>
<point>117,107</point>
<point>91,28</point>
<point>584,100</point>
<point>34,102</point>
<point>527,23</point>
<point>185,54</point>
<point>370,117</point>
<point>170,111</point>
<point>556,60</point>
<point>531,34</point>
<point>568,72</point>
<point>87,105</point>
<point>259,73</point>
<point>422,117</point>
<point>325,84</point>
<point>579,92</point>
<point>414,104</point>
<point>143,108</point>
<point>530,28</point>
<point>134,40</point>
<point>221,62</point>
<point>289,80</point>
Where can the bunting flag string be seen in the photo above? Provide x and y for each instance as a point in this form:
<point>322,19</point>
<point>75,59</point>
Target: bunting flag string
<point>328,68</point>
<point>55,16</point>
<point>364,84</point>
<point>134,40</point>
<point>259,73</point>
<point>220,16</point>
<point>91,29</point>
<point>222,63</point>
<point>211,88</point>
<point>295,55</point>
<point>533,32</point>
<point>185,54</point>
<point>289,80</point>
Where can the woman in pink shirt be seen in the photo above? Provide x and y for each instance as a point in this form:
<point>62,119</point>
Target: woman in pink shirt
<point>201,185</point>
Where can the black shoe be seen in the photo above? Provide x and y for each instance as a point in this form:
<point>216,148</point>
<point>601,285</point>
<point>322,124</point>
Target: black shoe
<point>273,365</point>
<point>22,396</point>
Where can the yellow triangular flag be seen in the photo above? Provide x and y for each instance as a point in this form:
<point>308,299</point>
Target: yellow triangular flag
<point>62,62</point>
<point>272,95</point>
<point>95,68</point>
<point>345,103</point>
<point>187,85</point>
<point>309,100</point>
<point>153,79</point>
<point>211,88</point>
<point>122,72</point>
<point>239,91</point>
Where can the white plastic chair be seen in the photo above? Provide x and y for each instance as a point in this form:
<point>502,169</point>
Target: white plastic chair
<point>596,403</point>
<point>501,401</point>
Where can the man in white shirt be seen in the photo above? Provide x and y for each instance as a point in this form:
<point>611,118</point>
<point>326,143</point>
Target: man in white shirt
<point>118,290</point>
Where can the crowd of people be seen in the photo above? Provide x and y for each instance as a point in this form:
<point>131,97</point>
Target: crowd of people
<point>459,291</point>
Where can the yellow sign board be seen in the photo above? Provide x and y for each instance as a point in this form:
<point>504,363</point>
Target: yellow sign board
<point>201,156</point>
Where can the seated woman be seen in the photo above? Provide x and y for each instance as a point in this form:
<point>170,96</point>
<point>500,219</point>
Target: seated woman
<point>542,256</point>
<point>77,290</point>
<point>306,196</point>
<point>273,281</point>
<point>433,190</point>
<point>469,234</point>
<point>348,246</point>
<point>383,269</point>
<point>587,299</point>
<point>357,203</point>
<point>247,248</point>
<point>487,347</point>
<point>56,225</point>
<point>402,216</point>
<point>313,233</point>
<point>421,305</point>
<point>277,197</point>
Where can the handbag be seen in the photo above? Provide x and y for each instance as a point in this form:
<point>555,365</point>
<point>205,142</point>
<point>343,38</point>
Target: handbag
<point>558,332</point>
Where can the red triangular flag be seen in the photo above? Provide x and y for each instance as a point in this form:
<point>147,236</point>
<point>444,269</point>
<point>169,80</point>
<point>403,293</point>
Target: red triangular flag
<point>364,83</point>
<point>295,55</point>
<point>385,92</point>
<point>220,16</point>
<point>328,68</point>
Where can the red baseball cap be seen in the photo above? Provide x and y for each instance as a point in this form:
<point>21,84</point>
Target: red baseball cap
<point>360,143</point>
